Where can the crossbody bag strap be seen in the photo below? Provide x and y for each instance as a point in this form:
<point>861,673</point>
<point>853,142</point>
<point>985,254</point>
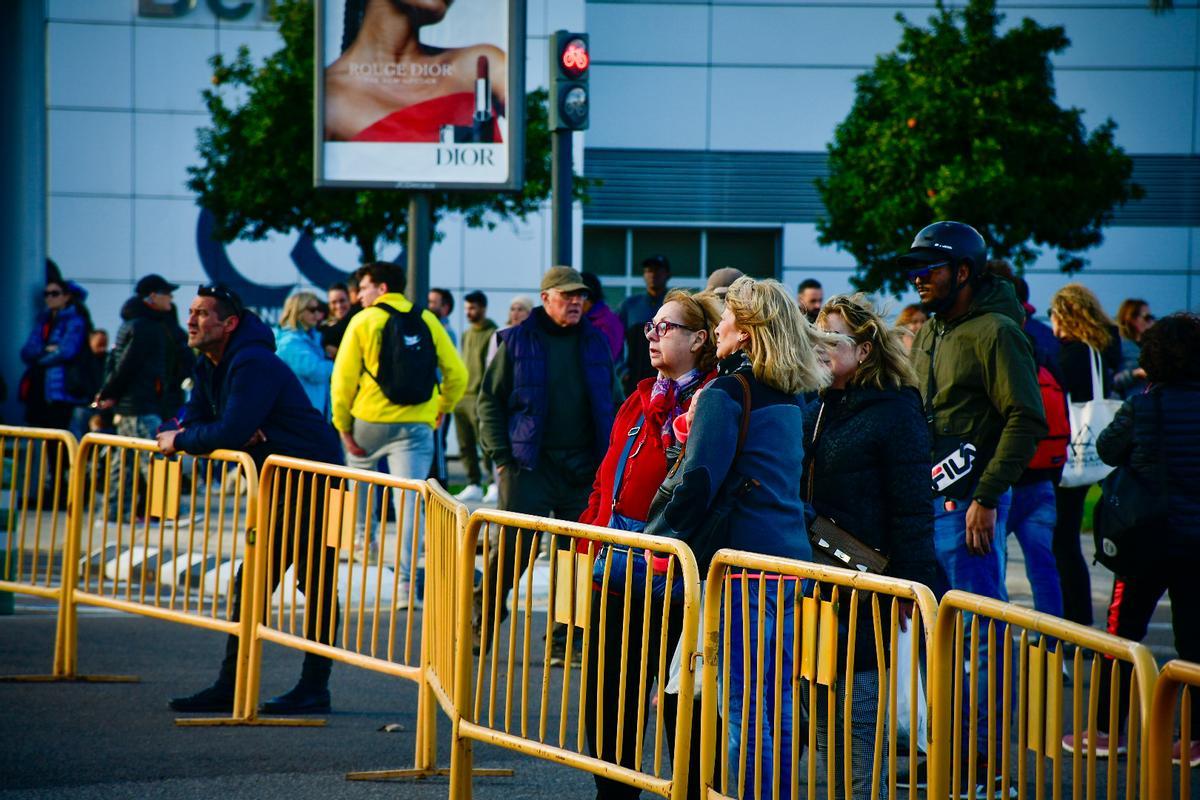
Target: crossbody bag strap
<point>745,426</point>
<point>630,438</point>
<point>931,385</point>
<point>1097,382</point>
<point>812,454</point>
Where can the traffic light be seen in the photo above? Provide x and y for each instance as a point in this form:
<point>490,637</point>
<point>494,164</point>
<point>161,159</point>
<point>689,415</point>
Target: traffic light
<point>569,61</point>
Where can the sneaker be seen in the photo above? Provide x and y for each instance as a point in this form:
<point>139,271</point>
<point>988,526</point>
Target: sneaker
<point>1103,746</point>
<point>402,602</point>
<point>300,700</point>
<point>472,493</point>
<point>558,651</point>
<point>981,789</point>
<point>217,698</point>
<point>492,495</point>
<point>1193,753</point>
<point>919,779</point>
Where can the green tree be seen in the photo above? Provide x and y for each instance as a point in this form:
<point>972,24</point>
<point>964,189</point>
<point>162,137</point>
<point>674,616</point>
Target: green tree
<point>961,122</point>
<point>256,159</point>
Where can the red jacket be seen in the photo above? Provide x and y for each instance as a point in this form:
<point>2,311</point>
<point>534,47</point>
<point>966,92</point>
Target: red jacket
<point>646,466</point>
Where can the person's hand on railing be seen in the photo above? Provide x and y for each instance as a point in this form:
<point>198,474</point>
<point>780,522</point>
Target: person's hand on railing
<point>905,609</point>
<point>166,442</point>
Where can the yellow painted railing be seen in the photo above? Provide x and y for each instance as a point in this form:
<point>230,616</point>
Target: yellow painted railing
<point>1176,684</point>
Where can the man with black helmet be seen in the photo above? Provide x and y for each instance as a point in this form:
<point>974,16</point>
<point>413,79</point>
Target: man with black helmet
<point>978,380</point>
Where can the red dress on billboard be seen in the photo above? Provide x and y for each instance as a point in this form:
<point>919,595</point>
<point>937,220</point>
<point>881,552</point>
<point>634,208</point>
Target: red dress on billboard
<point>422,122</point>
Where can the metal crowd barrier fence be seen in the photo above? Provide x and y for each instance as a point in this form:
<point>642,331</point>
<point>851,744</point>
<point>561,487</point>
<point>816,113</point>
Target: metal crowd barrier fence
<point>1176,684</point>
<point>1013,688</point>
<point>158,536</point>
<point>34,495</point>
<point>801,658</point>
<point>609,607</point>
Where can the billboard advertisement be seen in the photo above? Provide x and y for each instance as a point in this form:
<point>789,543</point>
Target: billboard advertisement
<point>420,94</point>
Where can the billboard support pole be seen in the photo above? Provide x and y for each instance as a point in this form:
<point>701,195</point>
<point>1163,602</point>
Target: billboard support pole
<point>419,237</point>
<point>561,191</point>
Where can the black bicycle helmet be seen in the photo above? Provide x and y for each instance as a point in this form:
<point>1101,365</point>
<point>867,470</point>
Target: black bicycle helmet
<point>946,241</point>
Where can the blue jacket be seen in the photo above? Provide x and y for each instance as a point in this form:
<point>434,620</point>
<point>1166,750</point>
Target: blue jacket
<point>250,390</point>
<point>67,334</point>
<point>301,350</point>
<point>530,396</point>
<point>770,518</point>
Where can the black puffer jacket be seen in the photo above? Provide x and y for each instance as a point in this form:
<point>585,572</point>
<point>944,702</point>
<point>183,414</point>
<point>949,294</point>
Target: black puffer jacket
<point>137,368</point>
<point>870,474</point>
<point>870,470</point>
<point>1136,439</point>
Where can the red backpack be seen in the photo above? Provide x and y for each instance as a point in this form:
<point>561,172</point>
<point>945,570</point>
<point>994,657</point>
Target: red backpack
<point>1052,449</point>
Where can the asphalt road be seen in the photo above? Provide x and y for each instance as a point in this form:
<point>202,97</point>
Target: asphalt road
<point>78,741</point>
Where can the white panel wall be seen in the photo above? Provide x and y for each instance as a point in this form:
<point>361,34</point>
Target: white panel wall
<point>779,76</point>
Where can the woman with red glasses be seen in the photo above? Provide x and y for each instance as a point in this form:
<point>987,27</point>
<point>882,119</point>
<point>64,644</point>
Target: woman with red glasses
<point>682,345</point>
<point>52,354</point>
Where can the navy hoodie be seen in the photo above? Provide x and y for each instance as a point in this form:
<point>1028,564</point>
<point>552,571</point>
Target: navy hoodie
<point>251,389</point>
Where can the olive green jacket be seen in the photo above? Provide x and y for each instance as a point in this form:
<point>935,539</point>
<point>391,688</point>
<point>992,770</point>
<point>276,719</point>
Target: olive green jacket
<point>986,389</point>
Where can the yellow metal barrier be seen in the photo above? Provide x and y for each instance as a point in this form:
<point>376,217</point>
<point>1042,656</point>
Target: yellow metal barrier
<point>160,537</point>
<point>987,727</point>
<point>445,595</point>
<point>1175,675</point>
<point>780,639</point>
<point>597,716</point>
<point>34,499</point>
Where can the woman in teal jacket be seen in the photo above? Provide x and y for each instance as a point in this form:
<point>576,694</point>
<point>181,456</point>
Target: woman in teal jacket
<point>298,344</point>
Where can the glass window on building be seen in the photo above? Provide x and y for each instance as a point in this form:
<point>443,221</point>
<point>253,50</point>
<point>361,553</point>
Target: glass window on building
<point>615,254</point>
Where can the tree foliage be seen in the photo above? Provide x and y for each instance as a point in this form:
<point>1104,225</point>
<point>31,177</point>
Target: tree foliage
<point>961,122</point>
<point>256,158</point>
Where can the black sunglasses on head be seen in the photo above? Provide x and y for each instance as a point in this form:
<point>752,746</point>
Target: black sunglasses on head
<point>224,294</point>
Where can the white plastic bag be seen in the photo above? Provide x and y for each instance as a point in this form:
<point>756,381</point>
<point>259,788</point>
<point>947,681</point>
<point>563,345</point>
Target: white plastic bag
<point>902,661</point>
<point>1084,467</point>
<point>677,661</point>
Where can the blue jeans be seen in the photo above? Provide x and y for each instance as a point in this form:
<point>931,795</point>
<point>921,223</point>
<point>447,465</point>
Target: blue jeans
<point>760,693</point>
<point>1031,519</point>
<point>408,448</point>
<point>983,575</point>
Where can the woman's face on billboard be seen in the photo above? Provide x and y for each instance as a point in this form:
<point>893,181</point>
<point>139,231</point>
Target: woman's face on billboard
<point>426,11</point>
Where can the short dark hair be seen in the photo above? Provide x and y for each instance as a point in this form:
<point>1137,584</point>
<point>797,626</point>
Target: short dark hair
<point>477,297</point>
<point>228,303</point>
<point>808,283</point>
<point>656,262</point>
<point>447,298</point>
<point>592,282</point>
<point>383,272</point>
<point>1169,349</point>
<point>336,287</point>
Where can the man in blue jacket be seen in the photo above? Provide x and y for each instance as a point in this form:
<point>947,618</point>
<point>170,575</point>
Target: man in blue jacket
<point>245,398</point>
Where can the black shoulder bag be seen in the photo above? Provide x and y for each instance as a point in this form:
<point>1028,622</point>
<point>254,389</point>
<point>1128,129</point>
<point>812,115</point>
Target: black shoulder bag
<point>832,544</point>
<point>1130,512</point>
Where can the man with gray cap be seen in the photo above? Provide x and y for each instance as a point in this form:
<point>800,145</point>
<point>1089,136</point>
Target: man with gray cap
<point>143,373</point>
<point>545,410</point>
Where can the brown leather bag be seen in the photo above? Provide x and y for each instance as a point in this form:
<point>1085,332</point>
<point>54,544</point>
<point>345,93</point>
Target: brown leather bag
<point>832,544</point>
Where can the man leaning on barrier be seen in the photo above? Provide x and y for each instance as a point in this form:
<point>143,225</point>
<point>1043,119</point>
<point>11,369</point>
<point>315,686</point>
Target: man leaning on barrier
<point>245,398</point>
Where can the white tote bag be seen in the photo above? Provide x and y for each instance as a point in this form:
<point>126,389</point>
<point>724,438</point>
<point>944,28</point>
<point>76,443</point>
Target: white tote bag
<point>1084,467</point>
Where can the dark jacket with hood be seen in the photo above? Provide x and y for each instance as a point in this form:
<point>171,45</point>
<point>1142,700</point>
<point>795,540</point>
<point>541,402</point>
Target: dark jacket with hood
<point>250,390</point>
<point>984,388</point>
<point>136,375</point>
<point>869,472</point>
<point>1158,449</point>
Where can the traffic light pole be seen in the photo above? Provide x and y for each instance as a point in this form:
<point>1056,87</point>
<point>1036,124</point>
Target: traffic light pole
<point>417,287</point>
<point>561,191</point>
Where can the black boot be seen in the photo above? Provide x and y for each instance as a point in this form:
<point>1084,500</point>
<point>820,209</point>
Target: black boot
<point>310,695</point>
<point>218,697</point>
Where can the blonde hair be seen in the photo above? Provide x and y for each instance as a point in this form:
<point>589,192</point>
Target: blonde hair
<point>782,342</point>
<point>1080,316</point>
<point>293,307</point>
<point>700,312</point>
<point>887,365</point>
